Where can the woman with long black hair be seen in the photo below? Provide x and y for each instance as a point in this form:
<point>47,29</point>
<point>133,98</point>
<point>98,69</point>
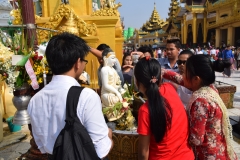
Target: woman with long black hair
<point>210,128</point>
<point>162,120</point>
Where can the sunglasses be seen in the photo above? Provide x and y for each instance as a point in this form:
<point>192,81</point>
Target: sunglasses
<point>84,61</point>
<point>179,62</point>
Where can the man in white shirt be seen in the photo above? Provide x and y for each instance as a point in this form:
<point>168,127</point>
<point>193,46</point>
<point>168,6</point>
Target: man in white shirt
<point>47,109</point>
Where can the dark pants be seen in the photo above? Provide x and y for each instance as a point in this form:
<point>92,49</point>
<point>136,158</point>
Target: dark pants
<point>50,157</point>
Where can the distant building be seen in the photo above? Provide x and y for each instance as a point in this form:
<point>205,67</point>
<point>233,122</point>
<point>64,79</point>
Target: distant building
<point>195,22</point>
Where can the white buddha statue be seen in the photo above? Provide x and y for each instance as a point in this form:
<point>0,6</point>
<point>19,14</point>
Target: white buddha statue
<point>111,92</point>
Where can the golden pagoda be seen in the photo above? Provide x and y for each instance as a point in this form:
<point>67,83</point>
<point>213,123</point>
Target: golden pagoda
<point>155,22</point>
<point>151,33</point>
<point>173,29</point>
<point>173,9</point>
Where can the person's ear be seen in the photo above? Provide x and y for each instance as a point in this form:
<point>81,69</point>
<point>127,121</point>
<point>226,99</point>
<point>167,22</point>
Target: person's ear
<point>196,81</point>
<point>77,63</point>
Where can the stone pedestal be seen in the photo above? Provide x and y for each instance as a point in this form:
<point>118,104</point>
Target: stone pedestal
<point>226,92</point>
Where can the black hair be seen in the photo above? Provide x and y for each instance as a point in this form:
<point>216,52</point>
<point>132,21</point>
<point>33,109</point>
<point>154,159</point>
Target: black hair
<point>203,67</point>
<point>102,46</point>
<point>63,51</point>
<point>175,41</point>
<point>145,49</point>
<point>124,57</point>
<point>160,113</point>
<point>106,51</point>
<point>188,52</point>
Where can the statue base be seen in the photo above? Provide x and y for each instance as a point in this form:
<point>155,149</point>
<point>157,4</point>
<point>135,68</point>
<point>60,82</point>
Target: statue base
<point>125,145</point>
<point>226,92</point>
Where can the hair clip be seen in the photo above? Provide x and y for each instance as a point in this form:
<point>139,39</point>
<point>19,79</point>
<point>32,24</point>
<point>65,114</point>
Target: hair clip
<point>147,58</point>
<point>153,80</point>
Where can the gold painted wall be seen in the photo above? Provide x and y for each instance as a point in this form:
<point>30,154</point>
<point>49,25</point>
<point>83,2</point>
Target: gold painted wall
<point>109,30</point>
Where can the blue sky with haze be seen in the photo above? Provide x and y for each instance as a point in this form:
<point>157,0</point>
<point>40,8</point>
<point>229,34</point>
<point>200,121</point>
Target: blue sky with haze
<point>137,12</point>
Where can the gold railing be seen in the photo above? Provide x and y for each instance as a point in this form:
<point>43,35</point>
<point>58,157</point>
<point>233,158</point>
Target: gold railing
<point>214,6</point>
<point>225,21</point>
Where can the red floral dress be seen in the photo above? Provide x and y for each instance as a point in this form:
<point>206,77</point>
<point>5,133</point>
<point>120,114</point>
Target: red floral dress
<point>205,117</point>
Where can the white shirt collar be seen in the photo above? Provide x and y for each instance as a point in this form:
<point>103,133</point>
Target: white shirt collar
<point>67,80</point>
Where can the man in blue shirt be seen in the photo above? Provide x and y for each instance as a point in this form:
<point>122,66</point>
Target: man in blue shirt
<point>172,50</point>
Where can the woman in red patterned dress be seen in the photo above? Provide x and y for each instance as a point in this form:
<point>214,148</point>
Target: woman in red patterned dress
<point>210,129</point>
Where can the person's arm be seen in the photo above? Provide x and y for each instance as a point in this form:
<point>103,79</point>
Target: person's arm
<point>95,52</point>
<point>127,66</point>
<point>141,55</point>
<point>90,113</point>
<point>36,131</point>
<point>118,68</point>
<point>172,76</point>
<point>143,147</point>
<point>110,136</point>
<point>144,133</point>
<point>232,55</point>
<point>198,118</point>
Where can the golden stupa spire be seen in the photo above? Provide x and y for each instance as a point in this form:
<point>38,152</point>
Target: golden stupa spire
<point>154,23</point>
<point>173,8</point>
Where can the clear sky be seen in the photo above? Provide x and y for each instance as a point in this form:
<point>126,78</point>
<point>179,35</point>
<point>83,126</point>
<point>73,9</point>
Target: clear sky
<point>137,12</point>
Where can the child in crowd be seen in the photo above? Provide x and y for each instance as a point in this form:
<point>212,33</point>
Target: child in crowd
<point>162,120</point>
<point>127,68</point>
<point>210,129</point>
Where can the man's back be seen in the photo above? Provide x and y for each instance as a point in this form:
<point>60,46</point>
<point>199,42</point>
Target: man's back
<point>47,110</point>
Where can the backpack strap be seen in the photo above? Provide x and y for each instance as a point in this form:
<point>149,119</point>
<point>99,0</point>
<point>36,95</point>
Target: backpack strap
<point>72,102</point>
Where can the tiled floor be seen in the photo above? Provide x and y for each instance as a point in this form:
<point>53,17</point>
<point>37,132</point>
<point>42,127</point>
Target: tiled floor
<point>14,150</point>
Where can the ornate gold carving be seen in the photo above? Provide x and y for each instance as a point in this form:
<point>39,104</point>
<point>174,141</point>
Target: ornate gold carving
<point>125,146</point>
<point>195,9</point>
<point>109,8</point>
<point>16,14</point>
<point>106,12</point>
<point>225,21</point>
<point>214,6</point>
<point>65,19</point>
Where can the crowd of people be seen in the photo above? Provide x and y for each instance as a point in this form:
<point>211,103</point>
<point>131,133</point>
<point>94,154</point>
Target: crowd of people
<point>184,117</point>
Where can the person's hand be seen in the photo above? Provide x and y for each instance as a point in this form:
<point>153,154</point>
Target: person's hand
<point>141,55</point>
<point>163,71</point>
<point>119,97</point>
<point>127,66</point>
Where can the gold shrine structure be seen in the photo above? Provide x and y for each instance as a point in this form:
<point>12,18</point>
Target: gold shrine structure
<point>100,26</point>
<point>204,22</point>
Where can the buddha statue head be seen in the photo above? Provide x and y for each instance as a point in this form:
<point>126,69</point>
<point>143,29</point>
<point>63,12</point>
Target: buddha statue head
<point>109,57</point>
